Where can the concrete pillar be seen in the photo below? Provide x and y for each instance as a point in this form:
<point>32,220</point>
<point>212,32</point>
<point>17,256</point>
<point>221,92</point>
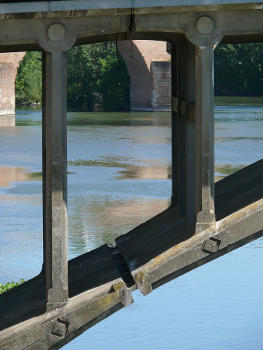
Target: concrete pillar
<point>205,137</point>
<point>55,178</point>
<point>149,68</point>
<point>9,63</point>
<point>183,129</point>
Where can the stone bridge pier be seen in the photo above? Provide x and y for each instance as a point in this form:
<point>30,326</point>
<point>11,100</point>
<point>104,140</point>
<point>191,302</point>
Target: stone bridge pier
<point>149,67</point>
<point>9,63</point>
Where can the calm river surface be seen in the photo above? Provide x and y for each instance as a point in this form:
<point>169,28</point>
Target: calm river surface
<point>117,178</point>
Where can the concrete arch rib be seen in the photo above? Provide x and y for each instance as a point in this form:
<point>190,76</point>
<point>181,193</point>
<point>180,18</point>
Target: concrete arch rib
<point>148,64</point>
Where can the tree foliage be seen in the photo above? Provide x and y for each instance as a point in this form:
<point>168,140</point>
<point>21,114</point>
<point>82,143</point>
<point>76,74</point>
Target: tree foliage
<point>98,78</point>
<point>29,79</point>
<point>10,285</point>
<point>239,70</point>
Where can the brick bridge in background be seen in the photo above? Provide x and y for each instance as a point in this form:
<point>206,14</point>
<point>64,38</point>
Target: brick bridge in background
<point>9,63</point>
<point>149,68</point>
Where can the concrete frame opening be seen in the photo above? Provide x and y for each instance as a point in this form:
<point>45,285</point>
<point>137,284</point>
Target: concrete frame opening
<point>119,210</point>
<point>21,180</point>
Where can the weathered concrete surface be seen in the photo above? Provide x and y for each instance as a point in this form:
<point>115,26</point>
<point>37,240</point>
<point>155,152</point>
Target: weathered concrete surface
<point>56,328</point>
<point>227,235</point>
<point>149,68</point>
<point>9,63</point>
<point>162,251</point>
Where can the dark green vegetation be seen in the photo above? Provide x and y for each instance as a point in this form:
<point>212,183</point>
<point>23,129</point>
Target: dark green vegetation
<point>239,70</point>
<point>29,79</point>
<point>98,78</point>
<point>5,287</point>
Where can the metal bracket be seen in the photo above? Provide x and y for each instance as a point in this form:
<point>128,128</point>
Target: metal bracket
<point>175,104</point>
<point>211,246</point>
<point>60,328</point>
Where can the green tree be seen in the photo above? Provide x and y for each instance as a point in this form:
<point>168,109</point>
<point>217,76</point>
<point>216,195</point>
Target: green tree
<point>29,79</point>
<point>97,76</point>
<point>239,70</point>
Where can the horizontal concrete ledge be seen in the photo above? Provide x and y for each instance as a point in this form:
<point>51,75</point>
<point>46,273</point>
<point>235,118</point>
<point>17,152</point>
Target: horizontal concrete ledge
<point>7,120</point>
<point>67,5</point>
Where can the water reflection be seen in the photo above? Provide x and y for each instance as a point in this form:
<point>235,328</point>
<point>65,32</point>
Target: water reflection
<point>120,171</point>
<point>98,220</point>
<point>149,171</point>
<point>119,119</point>
<point>9,175</point>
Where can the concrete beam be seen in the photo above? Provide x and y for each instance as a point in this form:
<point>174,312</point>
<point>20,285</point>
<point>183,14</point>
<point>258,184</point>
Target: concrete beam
<point>18,33</point>
<point>56,328</point>
<point>228,234</point>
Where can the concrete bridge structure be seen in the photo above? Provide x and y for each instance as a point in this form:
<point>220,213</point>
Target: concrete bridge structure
<point>204,221</point>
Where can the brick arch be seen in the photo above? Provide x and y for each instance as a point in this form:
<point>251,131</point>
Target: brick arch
<point>9,63</point>
<point>148,64</point>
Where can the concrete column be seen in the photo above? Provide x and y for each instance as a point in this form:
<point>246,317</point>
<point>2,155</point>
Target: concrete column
<point>55,178</point>
<point>183,129</point>
<point>205,137</point>
<point>178,151</point>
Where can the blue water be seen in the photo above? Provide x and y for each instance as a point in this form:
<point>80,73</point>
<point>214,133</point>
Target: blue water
<point>118,179</point>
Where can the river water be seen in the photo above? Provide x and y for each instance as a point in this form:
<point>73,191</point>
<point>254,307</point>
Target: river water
<point>118,176</point>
